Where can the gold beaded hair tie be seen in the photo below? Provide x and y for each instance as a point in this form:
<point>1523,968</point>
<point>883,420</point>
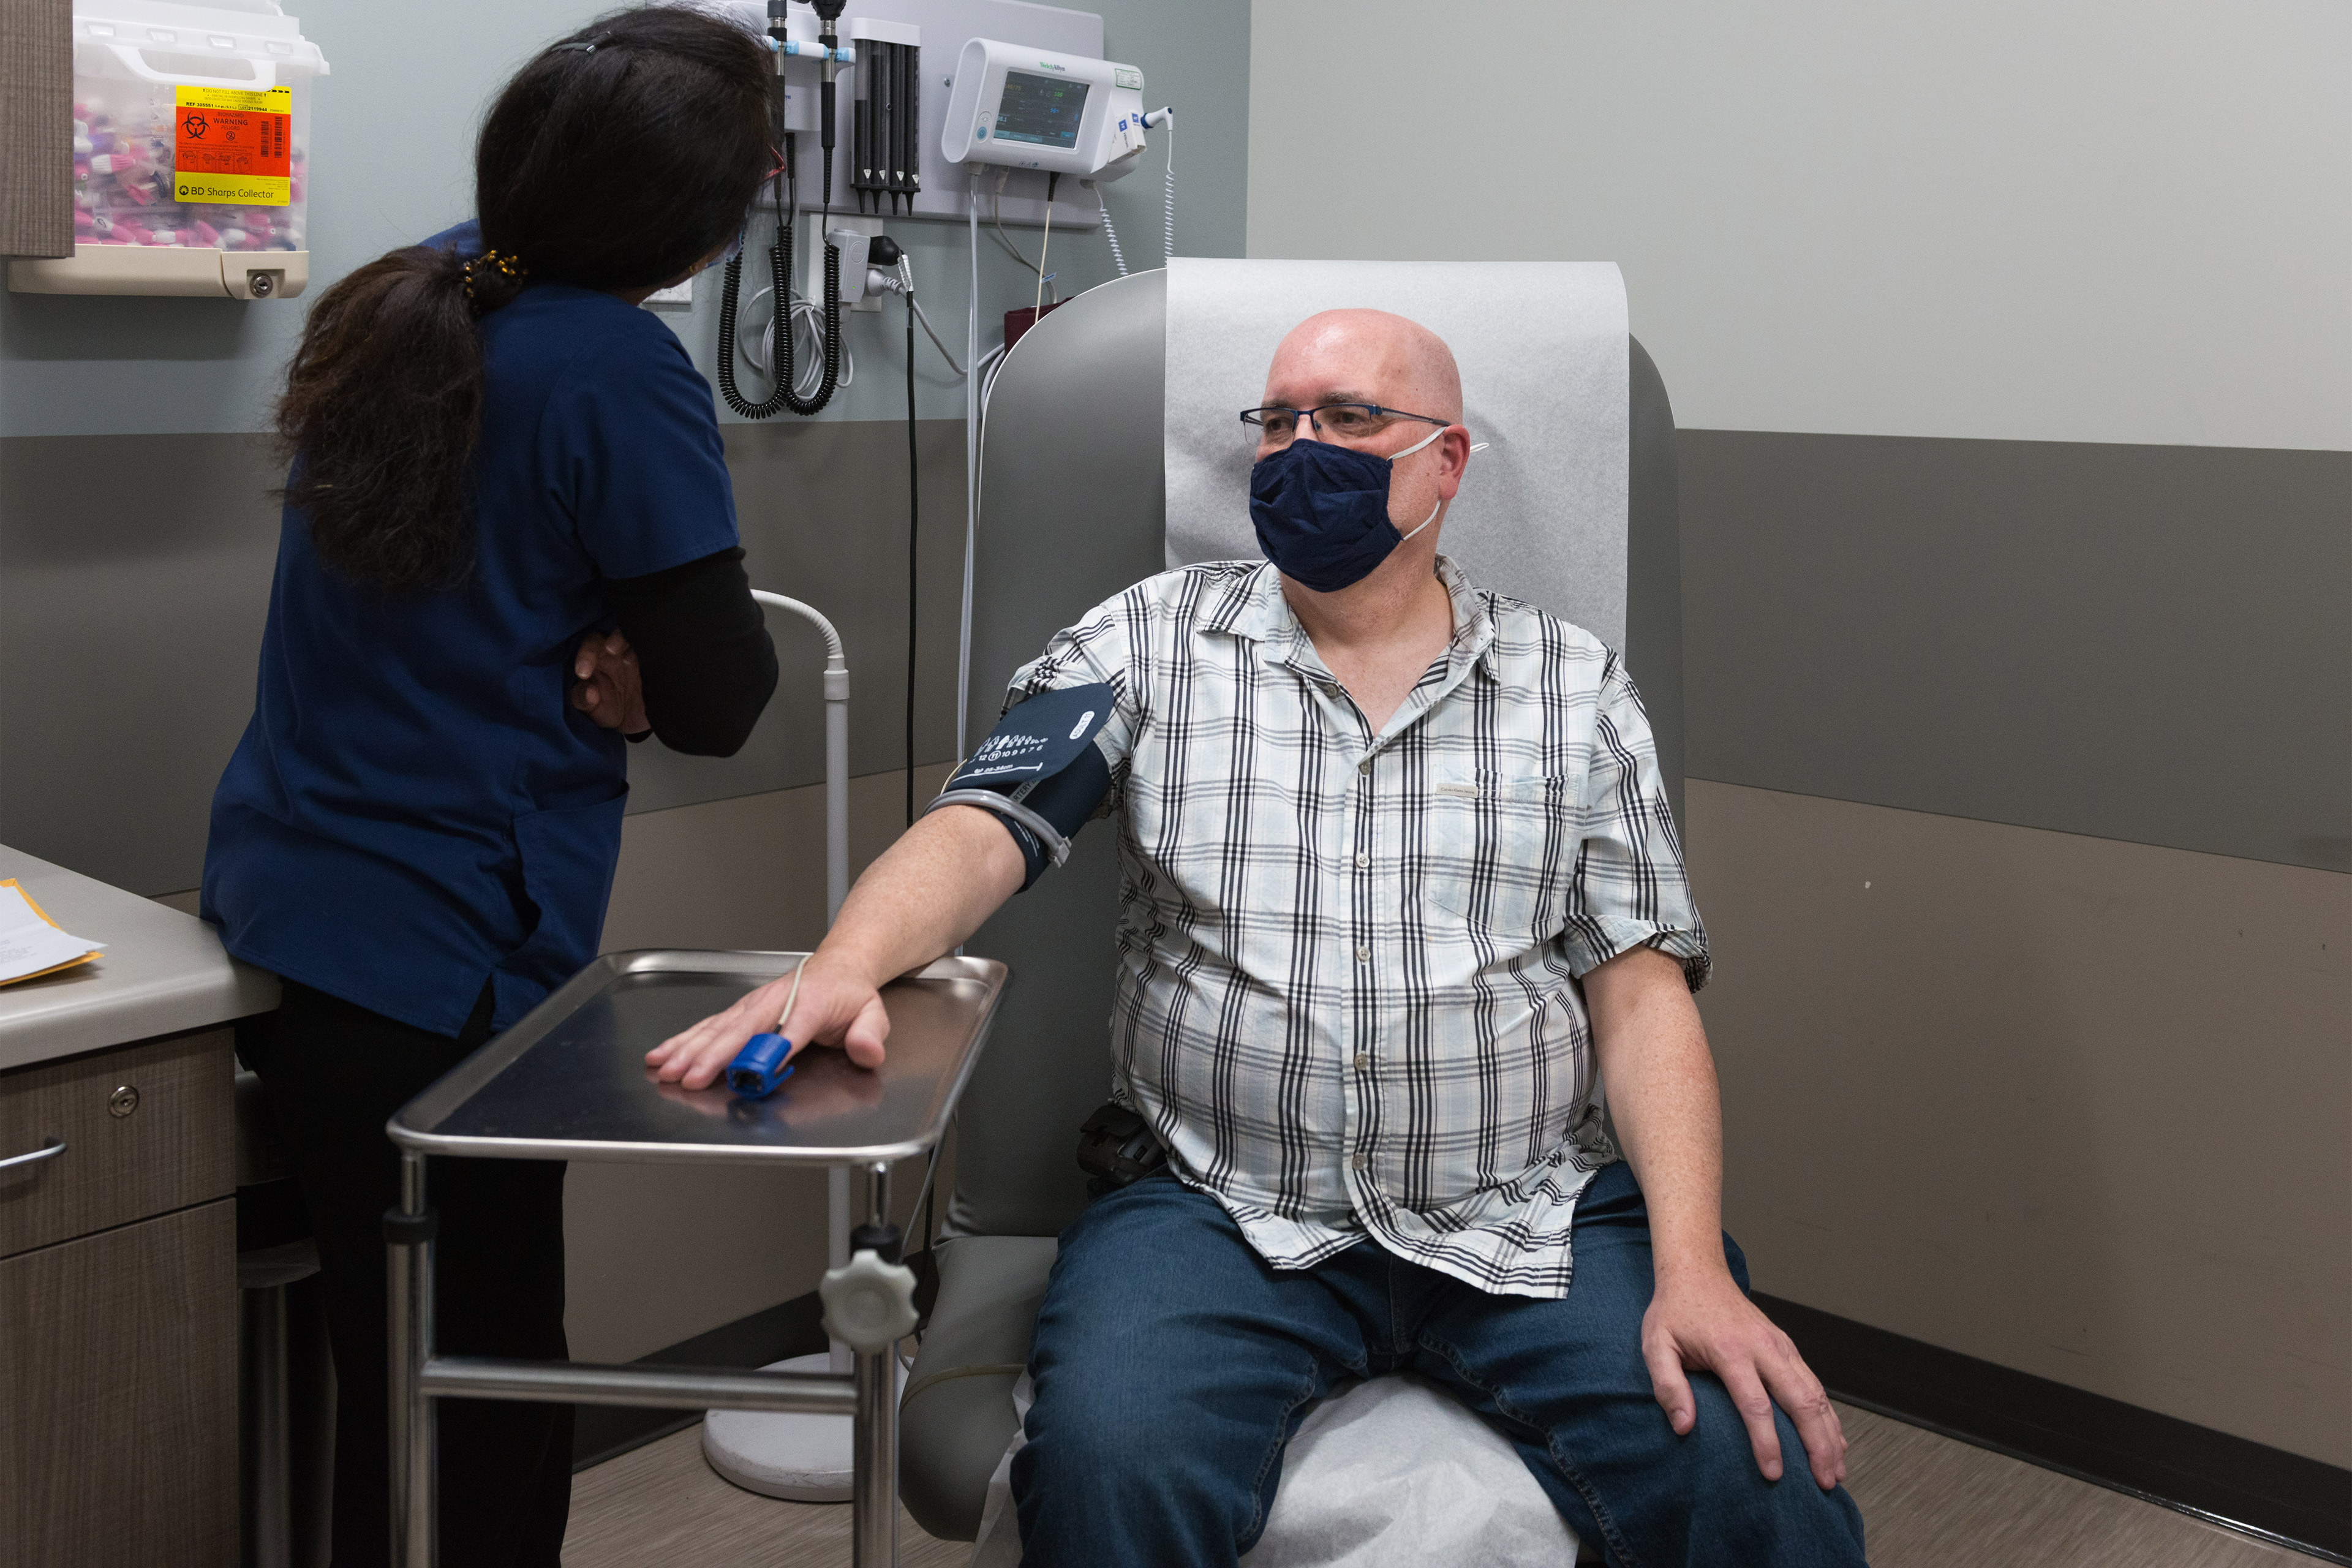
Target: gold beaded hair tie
<point>508,267</point>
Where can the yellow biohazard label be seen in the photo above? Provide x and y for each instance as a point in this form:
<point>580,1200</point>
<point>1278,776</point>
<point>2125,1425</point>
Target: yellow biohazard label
<point>229,146</point>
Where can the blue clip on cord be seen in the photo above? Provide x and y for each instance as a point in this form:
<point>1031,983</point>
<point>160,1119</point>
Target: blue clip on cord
<point>763,1062</point>
<point>760,1066</point>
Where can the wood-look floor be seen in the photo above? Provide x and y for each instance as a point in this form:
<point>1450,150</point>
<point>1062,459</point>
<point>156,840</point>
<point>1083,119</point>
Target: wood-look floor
<point>1928,1502</point>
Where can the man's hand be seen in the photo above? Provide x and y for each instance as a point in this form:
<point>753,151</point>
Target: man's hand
<point>830,1010</point>
<point>1653,1056</point>
<point>928,892</point>
<point>605,683</point>
<point>1702,1323</point>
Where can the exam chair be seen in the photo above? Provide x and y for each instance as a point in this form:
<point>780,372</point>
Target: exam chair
<point>1073,512</point>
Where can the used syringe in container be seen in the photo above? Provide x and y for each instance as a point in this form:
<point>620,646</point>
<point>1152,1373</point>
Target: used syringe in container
<point>192,129</point>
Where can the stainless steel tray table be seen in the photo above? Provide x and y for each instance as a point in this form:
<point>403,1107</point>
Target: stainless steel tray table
<point>569,1083</point>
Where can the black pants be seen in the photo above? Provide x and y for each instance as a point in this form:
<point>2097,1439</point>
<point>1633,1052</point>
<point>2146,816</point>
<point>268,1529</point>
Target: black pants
<point>335,1072</point>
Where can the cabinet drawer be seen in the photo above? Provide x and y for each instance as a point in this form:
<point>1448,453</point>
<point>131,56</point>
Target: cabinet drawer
<point>173,1144</point>
<point>118,1428</point>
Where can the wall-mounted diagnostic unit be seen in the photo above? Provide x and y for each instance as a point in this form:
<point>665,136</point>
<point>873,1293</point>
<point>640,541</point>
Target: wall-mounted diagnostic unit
<point>896,71</point>
<point>191,146</point>
<point>1034,108</point>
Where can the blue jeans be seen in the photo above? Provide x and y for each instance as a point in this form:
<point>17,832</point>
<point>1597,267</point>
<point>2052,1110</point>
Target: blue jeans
<point>1172,1363</point>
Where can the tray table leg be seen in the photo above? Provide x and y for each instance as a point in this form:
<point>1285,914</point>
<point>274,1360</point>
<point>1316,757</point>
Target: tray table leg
<point>408,1236</point>
<point>874,1499</point>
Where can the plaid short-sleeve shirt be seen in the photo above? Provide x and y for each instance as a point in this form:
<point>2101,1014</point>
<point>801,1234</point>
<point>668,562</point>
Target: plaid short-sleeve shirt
<point>1348,962</point>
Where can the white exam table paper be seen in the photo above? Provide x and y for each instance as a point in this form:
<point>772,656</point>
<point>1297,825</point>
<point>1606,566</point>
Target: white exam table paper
<point>1392,1473</point>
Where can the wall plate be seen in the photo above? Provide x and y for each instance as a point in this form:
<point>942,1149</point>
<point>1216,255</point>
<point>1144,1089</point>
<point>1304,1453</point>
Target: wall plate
<point>811,241</point>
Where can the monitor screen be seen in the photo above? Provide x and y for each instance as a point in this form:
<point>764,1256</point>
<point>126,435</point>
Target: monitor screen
<point>1044,109</point>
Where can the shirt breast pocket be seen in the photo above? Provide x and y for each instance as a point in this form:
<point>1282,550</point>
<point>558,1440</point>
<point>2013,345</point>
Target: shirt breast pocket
<point>1500,849</point>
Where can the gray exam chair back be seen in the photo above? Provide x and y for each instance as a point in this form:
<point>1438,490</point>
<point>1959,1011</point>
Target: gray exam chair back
<point>1072,512</point>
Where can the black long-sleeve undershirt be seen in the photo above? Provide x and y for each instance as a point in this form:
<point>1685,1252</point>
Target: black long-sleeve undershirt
<point>703,651</point>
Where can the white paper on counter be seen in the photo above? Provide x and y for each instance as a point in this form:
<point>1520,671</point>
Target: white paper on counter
<point>30,944</point>
<point>1542,350</point>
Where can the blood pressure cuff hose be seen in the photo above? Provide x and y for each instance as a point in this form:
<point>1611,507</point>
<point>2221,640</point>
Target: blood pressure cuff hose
<point>1040,773</point>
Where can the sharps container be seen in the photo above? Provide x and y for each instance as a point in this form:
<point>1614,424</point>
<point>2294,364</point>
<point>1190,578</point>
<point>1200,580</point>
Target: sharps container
<point>192,131</point>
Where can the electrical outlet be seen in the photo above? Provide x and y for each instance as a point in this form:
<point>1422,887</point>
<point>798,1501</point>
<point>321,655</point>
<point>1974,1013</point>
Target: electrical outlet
<point>852,268</point>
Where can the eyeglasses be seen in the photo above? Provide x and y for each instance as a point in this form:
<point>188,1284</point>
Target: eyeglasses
<point>783,166</point>
<point>1271,429</point>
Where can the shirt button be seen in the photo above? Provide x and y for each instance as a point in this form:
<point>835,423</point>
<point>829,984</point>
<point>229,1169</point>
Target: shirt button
<point>1363,954</point>
<point>1363,861</point>
<point>1358,1161</point>
<point>1363,1061</point>
<point>1365,766</point>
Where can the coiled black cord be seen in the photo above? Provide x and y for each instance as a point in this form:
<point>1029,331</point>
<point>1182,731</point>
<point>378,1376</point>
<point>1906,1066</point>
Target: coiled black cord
<point>780,255</point>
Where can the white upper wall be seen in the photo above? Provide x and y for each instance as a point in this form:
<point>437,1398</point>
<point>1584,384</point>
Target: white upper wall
<point>2104,220</point>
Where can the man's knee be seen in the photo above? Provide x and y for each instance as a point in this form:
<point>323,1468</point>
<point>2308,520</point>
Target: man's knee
<point>1733,1504</point>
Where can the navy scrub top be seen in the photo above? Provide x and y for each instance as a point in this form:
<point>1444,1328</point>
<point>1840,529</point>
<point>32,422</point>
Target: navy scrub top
<point>415,807</point>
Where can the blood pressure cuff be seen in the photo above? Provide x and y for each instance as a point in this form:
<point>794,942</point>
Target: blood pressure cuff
<point>1040,773</point>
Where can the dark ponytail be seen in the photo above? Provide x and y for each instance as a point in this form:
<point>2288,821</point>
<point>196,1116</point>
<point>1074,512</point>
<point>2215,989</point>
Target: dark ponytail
<point>615,159</point>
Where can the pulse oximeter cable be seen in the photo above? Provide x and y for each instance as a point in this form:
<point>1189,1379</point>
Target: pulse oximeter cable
<point>764,1062</point>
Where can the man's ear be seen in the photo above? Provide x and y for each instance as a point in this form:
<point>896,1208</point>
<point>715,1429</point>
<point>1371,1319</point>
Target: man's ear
<point>1455,445</point>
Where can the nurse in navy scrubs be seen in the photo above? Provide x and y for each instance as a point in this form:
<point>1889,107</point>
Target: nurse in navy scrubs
<point>509,542</point>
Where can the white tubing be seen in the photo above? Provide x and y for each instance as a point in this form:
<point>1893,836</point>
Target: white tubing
<point>836,889</point>
<point>836,754</point>
<point>971,462</point>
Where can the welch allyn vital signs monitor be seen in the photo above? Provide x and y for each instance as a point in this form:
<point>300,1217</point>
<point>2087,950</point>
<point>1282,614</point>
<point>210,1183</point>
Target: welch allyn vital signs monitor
<point>1034,108</point>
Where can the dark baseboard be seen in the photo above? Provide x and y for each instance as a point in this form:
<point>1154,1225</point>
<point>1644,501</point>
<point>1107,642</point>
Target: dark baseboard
<point>2265,1491</point>
<point>601,1431</point>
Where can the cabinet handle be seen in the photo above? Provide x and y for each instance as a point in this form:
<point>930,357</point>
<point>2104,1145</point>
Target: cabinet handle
<point>48,1150</point>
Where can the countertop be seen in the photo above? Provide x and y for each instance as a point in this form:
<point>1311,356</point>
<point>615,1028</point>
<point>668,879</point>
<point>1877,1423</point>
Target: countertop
<point>161,972</point>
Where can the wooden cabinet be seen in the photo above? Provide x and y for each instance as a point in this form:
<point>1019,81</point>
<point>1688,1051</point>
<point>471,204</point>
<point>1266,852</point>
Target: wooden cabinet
<point>149,1128</point>
<point>118,1310</point>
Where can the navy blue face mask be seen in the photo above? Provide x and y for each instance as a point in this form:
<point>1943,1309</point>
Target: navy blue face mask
<point>1321,511</point>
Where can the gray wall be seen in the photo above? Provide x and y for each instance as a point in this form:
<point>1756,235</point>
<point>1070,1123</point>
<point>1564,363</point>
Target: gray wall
<point>2014,371</point>
<point>136,541</point>
<point>2112,220</point>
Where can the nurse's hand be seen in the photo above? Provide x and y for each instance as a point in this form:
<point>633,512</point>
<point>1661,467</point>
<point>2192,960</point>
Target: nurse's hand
<point>606,685</point>
<point>831,1010</point>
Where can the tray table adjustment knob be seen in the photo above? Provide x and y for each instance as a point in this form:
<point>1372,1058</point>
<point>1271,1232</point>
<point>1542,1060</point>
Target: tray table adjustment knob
<point>870,1305</point>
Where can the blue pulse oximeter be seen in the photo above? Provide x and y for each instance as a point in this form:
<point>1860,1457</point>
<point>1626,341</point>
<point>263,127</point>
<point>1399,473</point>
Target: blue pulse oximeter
<point>760,1066</point>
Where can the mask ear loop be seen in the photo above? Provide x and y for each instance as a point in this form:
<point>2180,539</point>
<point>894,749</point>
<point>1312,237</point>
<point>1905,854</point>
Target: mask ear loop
<point>1408,452</point>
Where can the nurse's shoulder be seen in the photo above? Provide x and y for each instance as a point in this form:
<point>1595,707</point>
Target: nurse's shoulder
<point>560,328</point>
<point>551,327</point>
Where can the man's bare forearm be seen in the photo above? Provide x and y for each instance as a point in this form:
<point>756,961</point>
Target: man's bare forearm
<point>928,892</point>
<point>1654,1060</point>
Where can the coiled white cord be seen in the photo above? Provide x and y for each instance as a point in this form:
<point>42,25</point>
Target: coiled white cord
<point>1118,257</point>
<point>808,370</point>
<point>1168,229</point>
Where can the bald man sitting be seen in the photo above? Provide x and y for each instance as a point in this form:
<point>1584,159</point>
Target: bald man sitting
<point>1400,892</point>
